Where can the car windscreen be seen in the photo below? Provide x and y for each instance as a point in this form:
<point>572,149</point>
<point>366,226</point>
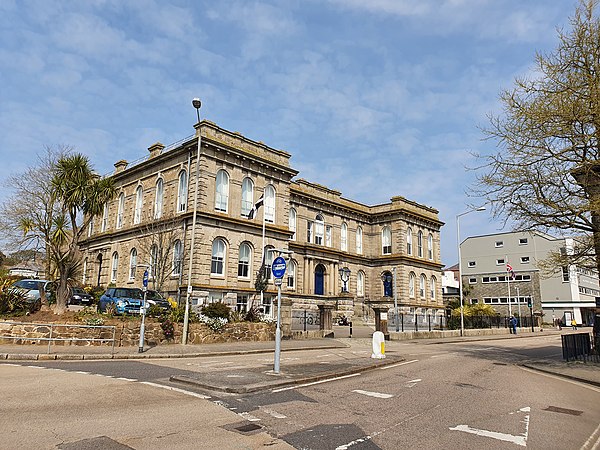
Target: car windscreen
<point>129,293</point>
<point>153,295</point>
<point>27,284</point>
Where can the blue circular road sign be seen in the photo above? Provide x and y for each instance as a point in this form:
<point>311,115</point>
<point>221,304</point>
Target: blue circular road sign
<point>278,267</point>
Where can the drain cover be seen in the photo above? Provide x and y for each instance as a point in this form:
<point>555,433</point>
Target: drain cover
<point>248,428</point>
<point>571,412</point>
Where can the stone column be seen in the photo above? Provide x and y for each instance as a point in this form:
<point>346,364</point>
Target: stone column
<point>286,317</point>
<point>326,325</point>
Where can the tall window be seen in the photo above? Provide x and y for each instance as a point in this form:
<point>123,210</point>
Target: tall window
<point>218,257</point>
<point>132,263</point>
<point>328,236</point>
<point>432,293</point>
<point>120,210</point>
<point>386,241</point>
<point>359,240</point>
<point>153,261</point>
<point>360,283</point>
<point>292,223</point>
<point>344,237</point>
<point>430,247</point>
<point>114,267</point>
<point>422,286</point>
<point>222,191</point>
<point>158,200</point>
<point>291,275</point>
<point>182,191</point>
<point>409,241</point>
<point>137,215</point>
<point>411,285</point>
<point>268,261</point>
<point>177,257</point>
<point>91,227</point>
<point>247,196</point>
<point>319,225</point>
<point>309,232</point>
<point>84,270</point>
<point>420,244</point>
<point>104,217</point>
<point>270,204</point>
<point>244,260</point>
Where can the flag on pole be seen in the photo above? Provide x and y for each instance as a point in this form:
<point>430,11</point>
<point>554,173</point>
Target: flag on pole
<point>510,271</point>
<point>254,211</point>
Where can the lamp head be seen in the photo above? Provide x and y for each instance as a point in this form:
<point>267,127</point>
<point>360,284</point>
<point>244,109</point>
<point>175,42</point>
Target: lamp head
<point>196,103</point>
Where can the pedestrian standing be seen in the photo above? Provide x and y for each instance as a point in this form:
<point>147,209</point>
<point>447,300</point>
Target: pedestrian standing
<point>514,324</point>
<point>574,324</point>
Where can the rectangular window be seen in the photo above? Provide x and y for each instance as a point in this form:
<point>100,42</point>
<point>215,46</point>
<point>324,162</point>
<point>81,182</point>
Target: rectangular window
<point>523,241</point>
<point>243,268</point>
<point>328,235</point>
<point>472,280</point>
<point>500,262</point>
<point>499,244</point>
<point>565,273</point>
<point>474,301</point>
<point>471,263</point>
<point>524,259</point>
<point>242,303</point>
<point>309,232</point>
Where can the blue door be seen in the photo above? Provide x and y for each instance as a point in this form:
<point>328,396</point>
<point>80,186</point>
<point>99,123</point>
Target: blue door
<point>319,280</point>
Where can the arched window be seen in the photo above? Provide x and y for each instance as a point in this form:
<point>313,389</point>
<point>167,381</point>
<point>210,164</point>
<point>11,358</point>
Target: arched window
<point>114,267</point>
<point>153,261</point>
<point>430,247</point>
<point>344,237</point>
<point>270,204</point>
<point>104,217</point>
<point>360,283</point>
<point>386,241</point>
<point>244,260</point>
<point>411,285</point>
<point>409,241</point>
<point>291,275</point>
<point>132,263</point>
<point>320,279</point>
<point>292,223</point>
<point>120,210</point>
<point>182,192</point>
<point>359,240</point>
<point>420,244</point>
<point>247,196</point>
<point>222,191</point>
<point>137,215</point>
<point>217,265</point>
<point>158,199</point>
<point>319,229</point>
<point>432,293</point>
<point>422,283</point>
<point>177,257</point>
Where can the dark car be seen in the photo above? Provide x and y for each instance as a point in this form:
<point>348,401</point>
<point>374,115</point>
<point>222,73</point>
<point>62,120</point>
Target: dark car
<point>125,300</point>
<point>153,298</point>
<point>80,297</point>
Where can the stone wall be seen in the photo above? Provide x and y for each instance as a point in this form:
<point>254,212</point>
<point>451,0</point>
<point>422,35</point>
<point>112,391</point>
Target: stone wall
<point>128,333</point>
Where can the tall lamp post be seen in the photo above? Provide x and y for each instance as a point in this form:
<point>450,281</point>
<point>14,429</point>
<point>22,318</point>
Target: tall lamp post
<point>344,276</point>
<point>460,283</point>
<point>196,103</point>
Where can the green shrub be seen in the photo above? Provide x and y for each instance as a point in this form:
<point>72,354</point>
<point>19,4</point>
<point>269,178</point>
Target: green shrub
<point>89,316</point>
<point>253,315</point>
<point>155,311</point>
<point>13,301</point>
<point>218,310</point>
<point>177,314</point>
<point>237,316</point>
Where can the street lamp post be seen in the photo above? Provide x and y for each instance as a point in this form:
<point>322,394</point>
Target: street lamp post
<point>460,283</point>
<point>344,276</point>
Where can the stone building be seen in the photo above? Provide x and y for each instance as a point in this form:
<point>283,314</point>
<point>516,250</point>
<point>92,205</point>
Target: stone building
<point>182,214</point>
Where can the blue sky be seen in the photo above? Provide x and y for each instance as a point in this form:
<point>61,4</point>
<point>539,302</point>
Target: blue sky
<point>373,98</point>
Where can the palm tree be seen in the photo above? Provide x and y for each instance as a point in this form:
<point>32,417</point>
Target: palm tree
<point>81,195</point>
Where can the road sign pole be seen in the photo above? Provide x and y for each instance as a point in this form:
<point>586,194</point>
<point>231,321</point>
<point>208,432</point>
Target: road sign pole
<point>278,328</point>
<point>143,311</point>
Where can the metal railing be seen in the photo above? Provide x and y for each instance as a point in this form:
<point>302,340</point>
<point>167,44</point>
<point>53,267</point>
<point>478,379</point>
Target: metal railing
<point>578,347</point>
<point>51,338</point>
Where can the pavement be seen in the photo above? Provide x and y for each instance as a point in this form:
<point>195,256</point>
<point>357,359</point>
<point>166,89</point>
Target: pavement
<point>307,370</point>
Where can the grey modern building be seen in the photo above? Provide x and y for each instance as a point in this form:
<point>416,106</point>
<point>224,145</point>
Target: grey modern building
<point>486,263</point>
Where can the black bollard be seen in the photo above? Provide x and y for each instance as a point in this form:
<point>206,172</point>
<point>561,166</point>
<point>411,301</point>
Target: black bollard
<point>350,329</point>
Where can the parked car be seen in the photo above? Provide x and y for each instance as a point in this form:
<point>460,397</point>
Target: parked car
<point>153,298</point>
<point>80,297</point>
<point>32,289</point>
<point>125,300</point>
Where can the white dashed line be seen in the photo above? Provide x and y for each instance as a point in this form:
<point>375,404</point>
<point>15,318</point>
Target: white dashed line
<point>373,394</point>
<point>174,389</point>
<point>315,382</point>
<point>249,417</point>
<point>399,364</point>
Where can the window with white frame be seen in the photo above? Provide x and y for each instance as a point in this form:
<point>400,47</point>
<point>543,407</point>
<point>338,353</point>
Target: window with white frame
<point>420,244</point>
<point>499,244</point>
<point>309,232</point>
<point>412,279</point>
<point>104,217</point>
<point>319,229</point>
<point>177,257</point>
<point>158,199</point>
<point>524,259</point>
<point>268,260</point>
<point>430,247</point>
<point>344,237</point>
<point>247,196</point>
<point>473,280</point>
<point>472,263</point>
<point>222,191</point>
<point>269,204</point>
<point>328,236</point>
<point>132,263</point>
<point>242,303</point>
<point>409,241</point>
<point>500,261</point>
<point>84,270</point>
<point>114,267</point>
<point>244,260</point>
<point>291,275</point>
<point>217,265</point>
<point>360,283</point>
<point>359,240</point>
<point>422,283</point>
<point>523,241</point>
<point>292,223</point>
<point>139,197</point>
<point>433,287</point>
<point>182,191</point>
<point>120,210</point>
<point>91,227</point>
<point>386,241</point>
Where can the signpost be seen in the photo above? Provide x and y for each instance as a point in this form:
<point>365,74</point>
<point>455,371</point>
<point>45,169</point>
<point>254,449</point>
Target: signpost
<point>278,269</point>
<point>143,311</point>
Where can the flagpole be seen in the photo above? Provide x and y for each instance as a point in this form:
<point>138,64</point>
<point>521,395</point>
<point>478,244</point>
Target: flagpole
<point>508,284</point>
<point>263,252</point>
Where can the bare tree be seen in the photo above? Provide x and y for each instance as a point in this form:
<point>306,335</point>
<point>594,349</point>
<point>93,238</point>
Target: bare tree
<point>546,175</point>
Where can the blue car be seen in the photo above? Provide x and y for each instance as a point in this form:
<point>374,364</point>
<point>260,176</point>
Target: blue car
<point>125,300</point>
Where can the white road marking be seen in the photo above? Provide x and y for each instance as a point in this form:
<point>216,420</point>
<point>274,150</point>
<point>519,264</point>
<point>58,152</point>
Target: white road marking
<point>83,373</point>
<point>315,382</point>
<point>590,444</point>
<point>399,364</point>
<point>273,413</point>
<point>518,440</point>
<point>373,394</point>
<point>174,389</point>
<point>125,379</point>
<point>249,417</point>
